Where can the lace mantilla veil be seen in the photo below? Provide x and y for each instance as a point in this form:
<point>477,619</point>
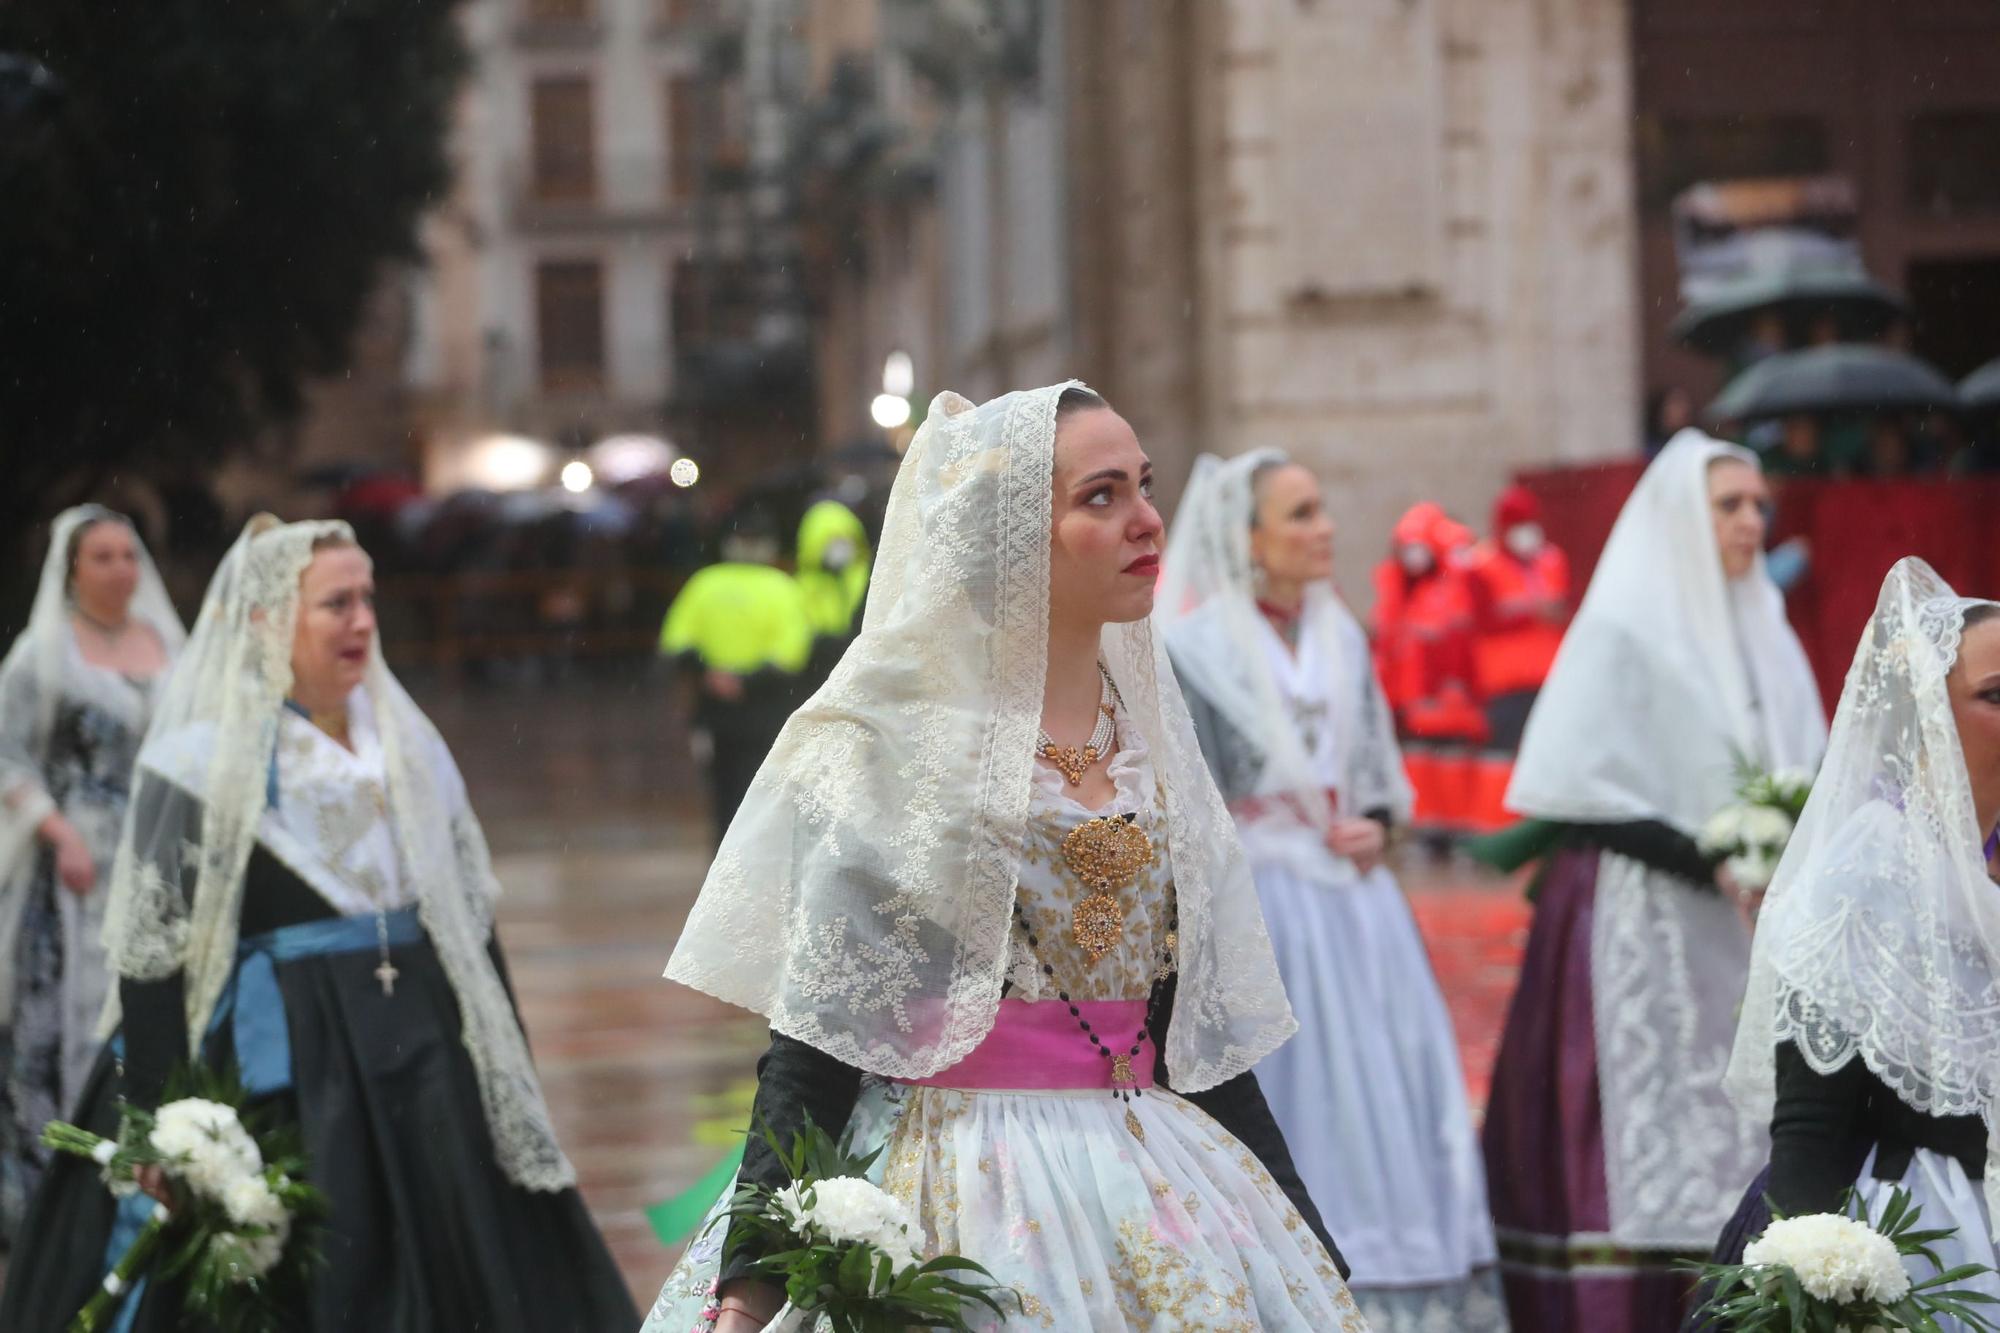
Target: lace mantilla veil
<point>1207,609</point>
<point>1880,936</point>
<point>176,898</point>
<point>862,899</point>
<point>33,682</point>
<point>1671,673</point>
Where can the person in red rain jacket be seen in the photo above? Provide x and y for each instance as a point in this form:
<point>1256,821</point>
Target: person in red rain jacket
<point>1424,655</point>
<point>1521,602</point>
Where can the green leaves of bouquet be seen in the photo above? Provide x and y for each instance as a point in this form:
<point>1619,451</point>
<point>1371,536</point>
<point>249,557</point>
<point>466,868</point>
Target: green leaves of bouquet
<point>239,1236</point>
<point>1834,1273</point>
<point>845,1250</point>
<point>1786,789</point>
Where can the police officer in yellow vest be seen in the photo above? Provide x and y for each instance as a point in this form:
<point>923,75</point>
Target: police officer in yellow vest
<point>833,571</point>
<point>746,624</point>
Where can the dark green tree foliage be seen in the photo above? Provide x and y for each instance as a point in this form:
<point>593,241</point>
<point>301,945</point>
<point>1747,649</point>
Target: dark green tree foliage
<point>192,228</point>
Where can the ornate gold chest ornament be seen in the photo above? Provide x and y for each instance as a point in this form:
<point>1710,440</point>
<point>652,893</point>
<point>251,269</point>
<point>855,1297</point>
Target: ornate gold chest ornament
<point>1106,854</point>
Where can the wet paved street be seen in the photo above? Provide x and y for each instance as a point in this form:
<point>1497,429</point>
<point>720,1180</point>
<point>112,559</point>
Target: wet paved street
<point>597,821</point>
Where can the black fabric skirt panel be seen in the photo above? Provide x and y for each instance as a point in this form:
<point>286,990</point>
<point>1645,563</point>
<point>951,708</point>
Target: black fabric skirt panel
<point>424,1230</point>
<point>58,1259</point>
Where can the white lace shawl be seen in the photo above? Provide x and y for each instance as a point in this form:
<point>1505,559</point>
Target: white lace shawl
<point>44,667</point>
<point>331,825</point>
<point>1880,937</point>
<point>1207,609</point>
<point>862,899</point>
<point>177,887</point>
<point>1671,673</point>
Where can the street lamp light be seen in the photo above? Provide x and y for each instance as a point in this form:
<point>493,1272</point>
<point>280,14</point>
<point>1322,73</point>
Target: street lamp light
<point>899,375</point>
<point>890,410</point>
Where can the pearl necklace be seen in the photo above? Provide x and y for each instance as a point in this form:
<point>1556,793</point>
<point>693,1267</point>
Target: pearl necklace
<point>1073,762</point>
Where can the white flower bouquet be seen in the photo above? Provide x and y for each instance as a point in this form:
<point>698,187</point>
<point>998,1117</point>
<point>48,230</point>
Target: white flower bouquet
<point>846,1251</point>
<point>1832,1273</point>
<point>1751,833</point>
<point>236,1234</point>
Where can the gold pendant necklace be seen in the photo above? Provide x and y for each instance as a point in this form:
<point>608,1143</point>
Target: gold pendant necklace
<point>1106,854</point>
<point>1073,761</point>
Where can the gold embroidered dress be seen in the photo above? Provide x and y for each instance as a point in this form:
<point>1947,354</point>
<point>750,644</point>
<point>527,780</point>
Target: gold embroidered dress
<point>1183,1229</point>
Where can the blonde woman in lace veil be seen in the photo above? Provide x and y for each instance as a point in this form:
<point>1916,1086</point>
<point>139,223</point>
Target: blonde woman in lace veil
<point>1870,1038</point>
<point>1295,728</point>
<point>76,692</point>
<point>302,892</point>
<point>987,896</point>
<point>1612,1150</point>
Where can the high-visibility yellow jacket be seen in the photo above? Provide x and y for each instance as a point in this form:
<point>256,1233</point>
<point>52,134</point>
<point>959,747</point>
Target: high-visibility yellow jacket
<point>740,618</point>
<point>832,595</point>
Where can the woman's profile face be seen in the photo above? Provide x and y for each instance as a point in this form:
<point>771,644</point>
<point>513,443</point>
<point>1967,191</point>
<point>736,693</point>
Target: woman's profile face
<point>1975,702</point>
<point>106,572</point>
<point>1737,501</point>
<point>1104,543</point>
<point>1292,541</point>
<point>336,624</point>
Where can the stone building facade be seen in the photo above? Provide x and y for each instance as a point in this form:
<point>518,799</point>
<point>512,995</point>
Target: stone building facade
<point>1395,237</point>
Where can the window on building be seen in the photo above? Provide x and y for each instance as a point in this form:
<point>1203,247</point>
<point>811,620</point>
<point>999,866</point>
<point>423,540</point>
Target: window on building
<point>558,11</point>
<point>683,137</point>
<point>732,130</point>
<point>1678,151</point>
<point>569,317</point>
<point>683,13</point>
<point>1953,162</point>
<point>564,133</point>
<point>708,134</point>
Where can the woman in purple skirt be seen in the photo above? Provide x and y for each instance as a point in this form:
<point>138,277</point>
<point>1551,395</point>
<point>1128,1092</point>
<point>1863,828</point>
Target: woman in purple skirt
<point>1611,1148</point>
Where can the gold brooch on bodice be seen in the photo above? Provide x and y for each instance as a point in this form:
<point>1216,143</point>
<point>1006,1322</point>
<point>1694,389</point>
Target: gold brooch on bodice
<point>1106,854</point>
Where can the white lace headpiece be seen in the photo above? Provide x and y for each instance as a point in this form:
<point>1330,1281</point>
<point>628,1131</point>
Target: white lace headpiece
<point>862,899</point>
<point>1880,936</point>
<point>1207,608</point>
<point>34,680</point>
<point>175,907</point>
<point>43,646</point>
<point>1672,674</point>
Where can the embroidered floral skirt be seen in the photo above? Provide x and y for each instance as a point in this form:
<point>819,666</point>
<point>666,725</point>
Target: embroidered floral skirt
<point>1096,1229</point>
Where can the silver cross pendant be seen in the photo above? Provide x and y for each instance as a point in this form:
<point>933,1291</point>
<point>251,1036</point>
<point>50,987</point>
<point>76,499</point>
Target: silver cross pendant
<point>387,975</point>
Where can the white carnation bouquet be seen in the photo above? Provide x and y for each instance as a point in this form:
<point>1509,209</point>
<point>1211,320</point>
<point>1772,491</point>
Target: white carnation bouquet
<point>846,1250</point>
<point>236,1235</point>
<point>1751,833</point>
<point>1833,1273</point>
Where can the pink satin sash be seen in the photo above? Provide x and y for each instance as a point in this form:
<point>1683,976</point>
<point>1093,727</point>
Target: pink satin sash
<point>1038,1046</point>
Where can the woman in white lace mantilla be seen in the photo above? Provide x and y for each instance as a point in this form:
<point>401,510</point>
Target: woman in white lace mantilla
<point>1611,1148</point>
<point>76,692</point>
<point>303,894</point>
<point>1021,951</point>
<point>1870,1038</point>
<point>1295,728</point>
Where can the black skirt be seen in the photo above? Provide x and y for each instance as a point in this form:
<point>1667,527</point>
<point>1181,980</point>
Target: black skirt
<point>424,1230</point>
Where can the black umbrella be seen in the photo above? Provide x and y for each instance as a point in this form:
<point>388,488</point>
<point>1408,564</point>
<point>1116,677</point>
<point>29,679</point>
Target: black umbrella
<point>1861,308</point>
<point>1980,391</point>
<point>1843,377</point>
